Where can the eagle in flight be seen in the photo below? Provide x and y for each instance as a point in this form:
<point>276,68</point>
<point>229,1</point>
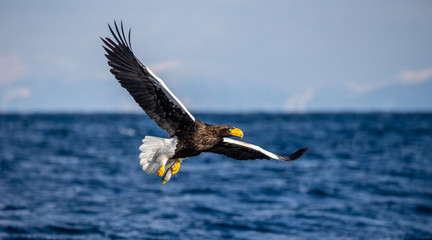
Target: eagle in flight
<point>188,136</point>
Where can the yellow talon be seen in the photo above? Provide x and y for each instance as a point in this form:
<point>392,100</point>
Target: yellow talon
<point>161,171</point>
<point>176,168</point>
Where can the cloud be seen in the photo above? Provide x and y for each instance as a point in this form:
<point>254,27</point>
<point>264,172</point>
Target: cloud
<point>13,94</point>
<point>12,68</point>
<point>164,66</point>
<point>298,101</point>
<point>367,87</point>
<point>415,76</point>
<point>406,77</point>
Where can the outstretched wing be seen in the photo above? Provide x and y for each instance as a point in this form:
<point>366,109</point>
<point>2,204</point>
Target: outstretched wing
<point>149,91</point>
<point>245,151</point>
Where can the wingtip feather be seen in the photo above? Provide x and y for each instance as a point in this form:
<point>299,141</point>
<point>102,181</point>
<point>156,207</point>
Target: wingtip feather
<point>296,155</point>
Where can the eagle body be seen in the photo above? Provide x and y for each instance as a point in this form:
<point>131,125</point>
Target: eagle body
<point>188,137</point>
<point>200,138</point>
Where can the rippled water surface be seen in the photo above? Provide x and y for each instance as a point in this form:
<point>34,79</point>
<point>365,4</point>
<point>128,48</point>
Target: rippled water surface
<point>365,176</point>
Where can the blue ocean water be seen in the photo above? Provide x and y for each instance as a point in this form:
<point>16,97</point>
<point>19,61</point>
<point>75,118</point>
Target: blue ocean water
<point>77,176</point>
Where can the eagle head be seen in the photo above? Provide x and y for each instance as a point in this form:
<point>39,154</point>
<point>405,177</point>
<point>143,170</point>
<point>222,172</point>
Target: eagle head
<point>230,131</point>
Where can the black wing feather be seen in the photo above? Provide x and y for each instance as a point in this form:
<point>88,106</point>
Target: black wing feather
<point>148,91</point>
<point>237,151</point>
<point>245,151</point>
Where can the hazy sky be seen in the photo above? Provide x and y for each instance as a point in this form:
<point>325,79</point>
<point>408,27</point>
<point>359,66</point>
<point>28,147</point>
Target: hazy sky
<point>237,56</point>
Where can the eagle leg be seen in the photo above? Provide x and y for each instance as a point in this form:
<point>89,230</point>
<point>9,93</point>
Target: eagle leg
<point>176,167</point>
<point>161,171</point>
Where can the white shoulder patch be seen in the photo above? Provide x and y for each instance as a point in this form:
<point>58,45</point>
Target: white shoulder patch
<point>169,93</point>
<point>254,147</point>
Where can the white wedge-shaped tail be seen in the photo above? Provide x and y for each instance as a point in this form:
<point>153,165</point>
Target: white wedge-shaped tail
<point>155,152</point>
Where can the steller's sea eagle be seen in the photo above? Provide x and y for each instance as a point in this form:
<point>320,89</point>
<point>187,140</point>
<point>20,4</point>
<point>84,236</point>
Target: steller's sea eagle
<point>188,136</point>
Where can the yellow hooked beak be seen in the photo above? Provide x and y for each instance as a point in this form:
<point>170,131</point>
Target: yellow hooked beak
<point>237,132</point>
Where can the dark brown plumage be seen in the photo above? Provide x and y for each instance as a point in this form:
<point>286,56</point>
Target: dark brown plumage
<point>200,138</point>
<point>188,136</point>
